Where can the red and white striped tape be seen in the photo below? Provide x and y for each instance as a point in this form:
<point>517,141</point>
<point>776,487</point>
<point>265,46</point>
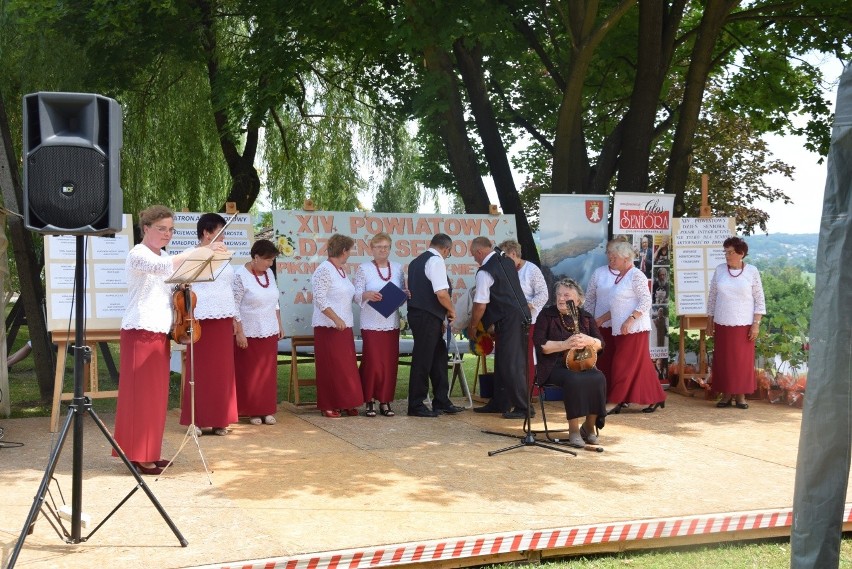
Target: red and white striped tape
<point>528,540</point>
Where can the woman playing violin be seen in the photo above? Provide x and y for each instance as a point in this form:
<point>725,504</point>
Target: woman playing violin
<point>215,384</point>
<point>143,391</point>
<point>558,329</point>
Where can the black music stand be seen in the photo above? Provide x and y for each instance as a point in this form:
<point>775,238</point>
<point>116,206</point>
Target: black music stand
<point>202,265</point>
<point>81,406</point>
<point>528,438</point>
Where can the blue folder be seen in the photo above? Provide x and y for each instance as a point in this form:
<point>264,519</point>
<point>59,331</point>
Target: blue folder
<point>392,298</point>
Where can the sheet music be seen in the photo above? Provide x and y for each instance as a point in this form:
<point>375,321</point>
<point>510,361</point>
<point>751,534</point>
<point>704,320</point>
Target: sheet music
<point>202,265</point>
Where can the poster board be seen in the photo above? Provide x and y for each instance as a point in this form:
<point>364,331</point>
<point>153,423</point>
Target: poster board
<point>104,277</point>
<point>239,236</point>
<point>301,237</point>
<point>697,252</point>
<point>645,221</point>
<point>572,234</point>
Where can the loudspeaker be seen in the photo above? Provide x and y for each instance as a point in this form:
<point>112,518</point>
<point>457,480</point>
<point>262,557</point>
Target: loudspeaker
<point>72,145</point>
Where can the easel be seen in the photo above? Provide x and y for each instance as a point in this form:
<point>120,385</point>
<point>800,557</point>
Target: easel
<point>296,382</point>
<point>63,340</point>
<point>694,323</point>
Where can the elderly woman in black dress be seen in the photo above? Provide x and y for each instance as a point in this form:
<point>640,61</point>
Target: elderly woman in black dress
<point>559,328</point>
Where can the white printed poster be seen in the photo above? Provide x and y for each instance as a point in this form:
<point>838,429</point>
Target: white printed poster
<point>698,251</point>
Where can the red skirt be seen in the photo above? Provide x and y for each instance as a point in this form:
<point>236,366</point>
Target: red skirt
<point>256,371</point>
<point>733,360</point>
<point>634,377</point>
<point>605,357</point>
<point>143,394</point>
<point>215,390</point>
<point>338,382</point>
<point>379,363</point>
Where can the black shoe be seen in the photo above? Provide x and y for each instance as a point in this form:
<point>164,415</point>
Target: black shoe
<point>652,408</point>
<point>449,410</point>
<point>515,414</point>
<point>422,412</point>
<point>617,409</point>
<point>488,408</point>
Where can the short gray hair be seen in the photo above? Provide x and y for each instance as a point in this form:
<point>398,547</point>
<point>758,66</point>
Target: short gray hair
<point>570,284</point>
<point>622,249</point>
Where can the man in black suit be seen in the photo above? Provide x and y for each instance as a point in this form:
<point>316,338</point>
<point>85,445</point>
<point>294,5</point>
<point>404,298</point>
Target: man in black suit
<point>499,300</point>
<point>429,304</point>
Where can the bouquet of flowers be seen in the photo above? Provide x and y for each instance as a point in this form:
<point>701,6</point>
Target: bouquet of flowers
<point>482,343</point>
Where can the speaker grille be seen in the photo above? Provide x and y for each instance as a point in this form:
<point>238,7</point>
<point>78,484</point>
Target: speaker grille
<point>68,187</point>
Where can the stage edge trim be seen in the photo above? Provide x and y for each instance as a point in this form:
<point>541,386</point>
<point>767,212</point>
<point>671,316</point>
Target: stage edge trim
<point>514,545</point>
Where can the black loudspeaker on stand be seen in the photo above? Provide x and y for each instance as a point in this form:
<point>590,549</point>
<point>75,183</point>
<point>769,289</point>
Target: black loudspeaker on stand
<point>70,108</point>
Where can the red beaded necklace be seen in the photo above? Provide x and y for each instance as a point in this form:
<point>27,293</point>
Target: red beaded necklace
<point>340,271</point>
<point>738,274</point>
<point>620,276</point>
<point>613,273</point>
<point>257,278</point>
<point>378,270</point>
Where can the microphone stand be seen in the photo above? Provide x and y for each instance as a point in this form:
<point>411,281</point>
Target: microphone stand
<point>528,438</point>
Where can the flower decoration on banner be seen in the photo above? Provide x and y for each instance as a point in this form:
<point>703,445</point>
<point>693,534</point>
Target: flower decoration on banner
<point>483,343</point>
<point>286,246</point>
<point>403,323</point>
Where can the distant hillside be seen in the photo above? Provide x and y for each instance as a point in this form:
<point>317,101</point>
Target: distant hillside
<point>798,249</point>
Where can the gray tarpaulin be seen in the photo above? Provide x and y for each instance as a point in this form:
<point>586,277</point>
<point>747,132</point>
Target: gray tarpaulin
<point>822,467</point>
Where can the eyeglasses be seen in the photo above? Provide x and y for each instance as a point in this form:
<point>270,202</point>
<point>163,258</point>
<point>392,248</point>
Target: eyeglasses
<point>382,247</point>
<point>164,229</point>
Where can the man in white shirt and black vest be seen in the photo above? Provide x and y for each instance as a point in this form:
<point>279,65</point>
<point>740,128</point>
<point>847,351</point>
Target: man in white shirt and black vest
<point>430,303</point>
<point>499,301</point>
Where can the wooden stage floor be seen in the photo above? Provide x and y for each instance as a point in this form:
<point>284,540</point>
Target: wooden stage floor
<point>370,492</point>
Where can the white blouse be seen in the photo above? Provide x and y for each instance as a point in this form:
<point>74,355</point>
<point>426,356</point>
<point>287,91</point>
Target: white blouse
<point>598,292</point>
<point>534,287</point>
<point>216,298</point>
<point>733,301</point>
<point>257,307</point>
<point>631,295</point>
<point>367,279</point>
<point>332,290</point>
<point>149,298</point>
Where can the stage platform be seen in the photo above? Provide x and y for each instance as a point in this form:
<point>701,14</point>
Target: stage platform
<point>358,492</point>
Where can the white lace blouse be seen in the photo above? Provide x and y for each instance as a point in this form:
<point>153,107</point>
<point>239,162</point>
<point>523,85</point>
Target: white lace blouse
<point>149,298</point>
<point>367,279</point>
<point>534,287</point>
<point>733,301</point>
<point>216,298</point>
<point>332,291</point>
<point>598,293</point>
<point>257,307</point>
<point>630,295</point>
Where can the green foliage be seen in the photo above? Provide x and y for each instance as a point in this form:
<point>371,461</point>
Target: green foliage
<point>784,330</point>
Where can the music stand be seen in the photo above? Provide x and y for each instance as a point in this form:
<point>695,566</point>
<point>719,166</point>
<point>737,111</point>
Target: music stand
<point>202,265</point>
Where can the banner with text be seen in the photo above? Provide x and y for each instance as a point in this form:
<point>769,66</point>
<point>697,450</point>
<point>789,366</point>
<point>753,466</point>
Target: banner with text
<point>239,235</point>
<point>301,237</point>
<point>698,251</point>
<point>645,221</point>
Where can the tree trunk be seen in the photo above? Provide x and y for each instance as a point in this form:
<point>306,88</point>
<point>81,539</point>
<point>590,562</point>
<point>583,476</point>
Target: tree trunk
<point>460,153</point>
<point>245,182</point>
<point>29,269</point>
<point>470,65</point>
<point>680,156</point>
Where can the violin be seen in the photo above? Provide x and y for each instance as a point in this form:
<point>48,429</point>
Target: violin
<point>183,305</point>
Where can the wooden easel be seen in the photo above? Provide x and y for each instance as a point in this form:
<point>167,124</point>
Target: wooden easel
<point>90,370</point>
<point>694,323</point>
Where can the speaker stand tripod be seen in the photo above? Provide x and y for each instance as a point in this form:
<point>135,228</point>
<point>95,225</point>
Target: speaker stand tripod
<point>81,406</point>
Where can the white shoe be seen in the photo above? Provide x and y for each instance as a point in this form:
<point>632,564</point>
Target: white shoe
<point>256,421</point>
<point>591,439</point>
<point>576,440</point>
<point>269,420</point>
